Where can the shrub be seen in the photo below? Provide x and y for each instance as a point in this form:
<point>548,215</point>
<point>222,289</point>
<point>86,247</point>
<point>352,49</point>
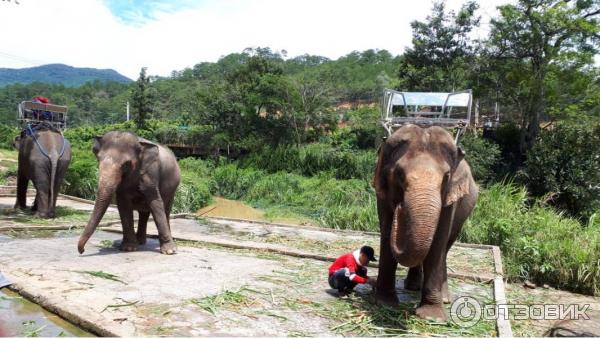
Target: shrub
<point>232,182</point>
<point>7,136</point>
<point>563,164</point>
<point>482,155</point>
<point>192,194</point>
<point>313,159</point>
<point>537,242</point>
<point>82,177</point>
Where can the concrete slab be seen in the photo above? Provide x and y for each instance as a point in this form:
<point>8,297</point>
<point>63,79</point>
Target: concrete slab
<point>9,202</point>
<point>310,242</point>
<point>201,291</point>
<point>209,288</point>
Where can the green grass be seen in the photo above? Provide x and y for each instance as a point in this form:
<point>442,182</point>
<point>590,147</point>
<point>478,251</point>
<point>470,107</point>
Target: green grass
<point>101,274</point>
<point>342,204</point>
<point>230,300</point>
<point>537,242</point>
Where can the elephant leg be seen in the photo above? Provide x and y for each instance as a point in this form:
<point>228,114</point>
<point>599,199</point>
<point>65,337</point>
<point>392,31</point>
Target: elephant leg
<point>142,226</point>
<point>386,278</point>
<point>168,207</point>
<point>434,273</point>
<point>431,293</point>
<point>414,278</point>
<point>129,242</point>
<point>167,244</point>
<point>42,195</point>
<point>445,292</point>
<point>22,183</point>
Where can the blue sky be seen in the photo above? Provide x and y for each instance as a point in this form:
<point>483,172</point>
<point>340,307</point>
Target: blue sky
<point>139,12</point>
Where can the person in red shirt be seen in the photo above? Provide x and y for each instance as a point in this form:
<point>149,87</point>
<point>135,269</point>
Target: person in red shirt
<point>349,270</point>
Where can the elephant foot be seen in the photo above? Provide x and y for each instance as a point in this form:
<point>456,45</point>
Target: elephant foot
<point>387,298</point>
<point>412,284</point>
<point>168,248</point>
<point>141,239</point>
<point>445,294</point>
<point>432,312</point>
<point>128,246</point>
<point>43,215</point>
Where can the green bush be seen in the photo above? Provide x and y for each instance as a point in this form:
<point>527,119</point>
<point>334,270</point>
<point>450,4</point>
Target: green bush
<point>313,159</point>
<point>82,177</point>
<point>195,135</point>
<point>7,136</point>
<point>537,243</point>
<point>84,135</point>
<point>564,165</point>
<point>232,182</point>
<point>192,194</point>
<point>482,155</point>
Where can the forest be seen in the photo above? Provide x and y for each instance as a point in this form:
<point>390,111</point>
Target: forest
<point>298,136</point>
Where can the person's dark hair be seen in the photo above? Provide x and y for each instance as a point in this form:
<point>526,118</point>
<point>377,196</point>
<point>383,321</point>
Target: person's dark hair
<point>369,252</point>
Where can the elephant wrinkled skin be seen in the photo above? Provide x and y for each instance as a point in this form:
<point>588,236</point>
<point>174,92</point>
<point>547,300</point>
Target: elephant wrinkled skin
<point>45,163</point>
<point>425,192</point>
<point>144,176</point>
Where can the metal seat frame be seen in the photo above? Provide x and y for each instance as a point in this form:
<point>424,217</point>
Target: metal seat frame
<point>442,118</point>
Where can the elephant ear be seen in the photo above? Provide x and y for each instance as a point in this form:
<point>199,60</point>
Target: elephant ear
<point>380,179</point>
<point>149,149</point>
<point>17,142</point>
<point>459,186</point>
<point>97,144</point>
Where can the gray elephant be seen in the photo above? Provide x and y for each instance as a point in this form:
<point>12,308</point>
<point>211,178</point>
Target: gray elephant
<point>44,157</point>
<point>425,192</point>
<point>144,176</point>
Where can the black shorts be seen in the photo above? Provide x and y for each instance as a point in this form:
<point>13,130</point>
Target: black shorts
<point>338,280</point>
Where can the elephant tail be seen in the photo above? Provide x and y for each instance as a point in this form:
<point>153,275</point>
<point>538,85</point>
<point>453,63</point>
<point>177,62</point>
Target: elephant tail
<point>53,164</point>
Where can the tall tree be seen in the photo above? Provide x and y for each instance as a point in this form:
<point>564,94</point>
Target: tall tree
<point>142,99</point>
<point>534,35</point>
<point>442,52</point>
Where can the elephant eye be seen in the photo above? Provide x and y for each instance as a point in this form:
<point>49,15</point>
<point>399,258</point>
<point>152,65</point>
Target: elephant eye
<point>401,177</point>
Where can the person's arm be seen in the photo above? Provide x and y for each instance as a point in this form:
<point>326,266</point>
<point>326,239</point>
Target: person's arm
<point>351,264</point>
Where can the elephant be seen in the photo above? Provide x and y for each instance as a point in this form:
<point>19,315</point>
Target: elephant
<point>425,192</point>
<point>143,176</point>
<point>44,157</point>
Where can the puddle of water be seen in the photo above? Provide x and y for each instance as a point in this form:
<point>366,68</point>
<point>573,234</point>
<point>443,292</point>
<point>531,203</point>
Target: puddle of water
<point>20,317</point>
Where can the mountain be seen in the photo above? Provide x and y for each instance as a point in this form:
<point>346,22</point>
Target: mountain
<point>58,74</point>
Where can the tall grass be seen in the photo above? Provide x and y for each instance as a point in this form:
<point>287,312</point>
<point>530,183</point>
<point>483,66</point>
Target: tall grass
<point>537,242</point>
<point>313,159</point>
<point>346,204</point>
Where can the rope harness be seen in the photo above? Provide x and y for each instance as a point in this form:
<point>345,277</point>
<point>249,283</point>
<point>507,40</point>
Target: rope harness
<point>32,128</point>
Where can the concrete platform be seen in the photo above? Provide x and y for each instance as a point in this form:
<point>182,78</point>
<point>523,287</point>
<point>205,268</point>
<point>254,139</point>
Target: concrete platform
<point>233,278</point>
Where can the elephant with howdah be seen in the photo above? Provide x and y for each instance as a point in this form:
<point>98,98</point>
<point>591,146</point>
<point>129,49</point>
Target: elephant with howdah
<point>44,157</point>
<point>144,176</point>
<point>425,192</point>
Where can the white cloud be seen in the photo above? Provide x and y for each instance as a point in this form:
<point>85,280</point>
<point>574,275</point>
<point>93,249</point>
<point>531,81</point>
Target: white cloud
<point>85,33</point>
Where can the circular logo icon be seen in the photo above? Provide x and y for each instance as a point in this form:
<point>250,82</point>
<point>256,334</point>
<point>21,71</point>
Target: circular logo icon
<point>466,311</point>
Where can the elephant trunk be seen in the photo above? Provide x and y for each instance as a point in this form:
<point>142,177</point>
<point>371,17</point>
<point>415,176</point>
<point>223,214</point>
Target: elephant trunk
<point>110,178</point>
<point>414,226</point>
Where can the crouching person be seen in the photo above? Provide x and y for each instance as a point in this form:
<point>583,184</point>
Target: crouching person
<point>350,269</point>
